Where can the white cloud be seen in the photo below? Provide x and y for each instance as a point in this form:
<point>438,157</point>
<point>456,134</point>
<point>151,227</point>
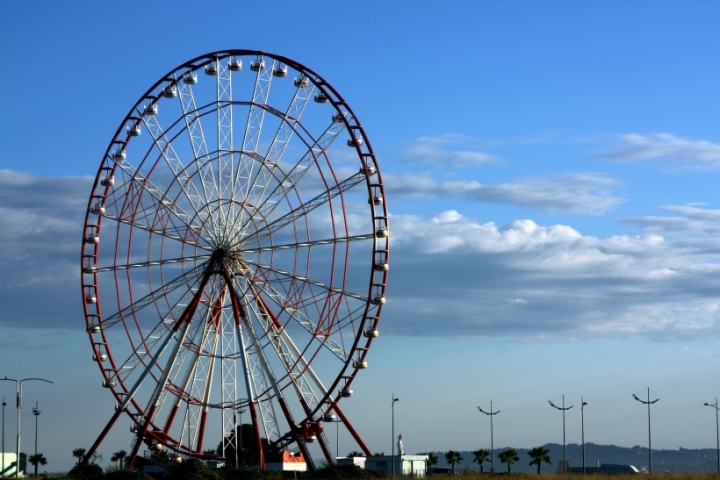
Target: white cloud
<point>584,193</point>
<point>446,150</point>
<point>666,147</point>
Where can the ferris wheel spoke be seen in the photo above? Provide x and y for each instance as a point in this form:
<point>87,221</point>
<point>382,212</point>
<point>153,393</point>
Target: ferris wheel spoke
<point>188,235</point>
<point>169,287</point>
<point>131,205</point>
<point>310,244</point>
<point>265,203</point>
<point>307,207</point>
<point>151,263</point>
<point>307,280</point>
<point>174,163</point>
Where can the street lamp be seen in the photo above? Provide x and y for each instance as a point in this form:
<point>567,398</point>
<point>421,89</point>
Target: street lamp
<point>18,386</point>
<point>582,428</point>
<point>717,429</point>
<point>648,403</point>
<point>392,405</point>
<point>330,418</point>
<point>563,409</point>
<point>2,472</point>
<point>239,448</point>
<point>492,444</point>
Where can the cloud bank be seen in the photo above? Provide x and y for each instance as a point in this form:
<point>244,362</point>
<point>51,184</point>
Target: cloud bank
<point>666,147</point>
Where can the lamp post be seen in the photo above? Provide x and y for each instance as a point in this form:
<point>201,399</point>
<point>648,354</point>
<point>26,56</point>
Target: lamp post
<point>717,430</point>
<point>2,472</point>
<point>392,443</point>
<point>331,418</point>
<point>648,403</point>
<point>239,448</point>
<point>18,386</point>
<point>563,409</point>
<point>492,444</point>
<point>582,428</point>
<point>36,412</point>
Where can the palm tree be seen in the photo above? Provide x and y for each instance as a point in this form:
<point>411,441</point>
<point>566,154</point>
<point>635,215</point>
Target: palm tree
<point>355,453</point>
<point>36,459</point>
<point>481,456</point>
<point>539,455</point>
<point>79,453</point>
<point>453,457</point>
<point>509,456</point>
<point>119,456</point>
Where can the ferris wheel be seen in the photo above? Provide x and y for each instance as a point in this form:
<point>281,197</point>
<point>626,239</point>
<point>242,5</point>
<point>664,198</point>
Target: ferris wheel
<point>234,259</point>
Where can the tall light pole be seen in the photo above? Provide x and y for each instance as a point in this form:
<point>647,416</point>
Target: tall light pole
<point>18,386</point>
<point>331,418</point>
<point>392,405</point>
<point>3,438</point>
<point>648,403</point>
<point>238,449</point>
<point>582,428</point>
<point>563,409</point>
<point>491,414</point>
<point>717,429</point>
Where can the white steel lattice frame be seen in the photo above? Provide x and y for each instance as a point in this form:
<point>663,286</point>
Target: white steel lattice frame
<point>216,296</point>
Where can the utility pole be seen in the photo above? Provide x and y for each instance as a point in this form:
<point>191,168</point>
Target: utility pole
<point>648,403</point>
<point>36,412</point>
<point>563,409</point>
<point>2,472</point>
<point>491,414</point>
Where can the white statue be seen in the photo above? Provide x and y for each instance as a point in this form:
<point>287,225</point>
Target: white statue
<point>401,451</point>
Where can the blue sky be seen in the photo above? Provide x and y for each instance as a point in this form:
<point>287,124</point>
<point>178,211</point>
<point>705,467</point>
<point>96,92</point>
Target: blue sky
<point>549,167</point>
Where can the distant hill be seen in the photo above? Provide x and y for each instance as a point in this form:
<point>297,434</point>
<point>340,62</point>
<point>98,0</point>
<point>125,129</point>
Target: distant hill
<point>683,460</point>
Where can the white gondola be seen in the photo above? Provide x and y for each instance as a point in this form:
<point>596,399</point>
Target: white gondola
<point>376,200</point>
<point>382,267</point>
<point>94,329</point>
<point>211,69</point>
<point>329,417</point>
<point>134,131</point>
<point>90,298</point>
<point>321,98</point>
<point>360,365</point>
<point>119,155</point>
<point>369,170</point>
<point>378,300</point>
<point>301,82</point>
<point>102,357</point>
<point>346,392</point>
<point>257,66</point>
<point>190,79</point>
<point>354,142</point>
<point>338,117</point>
<point>310,438</point>
<point>89,268</point>
<point>235,65</point>
<point>107,181</point>
<point>382,233</point>
<point>92,239</point>
<point>280,71</point>
<point>371,333</point>
<point>170,92</point>
<point>109,384</point>
<point>98,209</point>
<point>150,110</point>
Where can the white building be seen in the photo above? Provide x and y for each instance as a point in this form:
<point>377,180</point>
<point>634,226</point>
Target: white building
<point>9,461</point>
<point>405,465</point>
<point>288,462</point>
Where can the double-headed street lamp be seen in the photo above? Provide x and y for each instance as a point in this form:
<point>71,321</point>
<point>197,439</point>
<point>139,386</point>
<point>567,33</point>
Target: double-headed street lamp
<point>392,405</point>
<point>491,414</point>
<point>563,408</point>
<point>717,429</point>
<point>648,403</point>
<point>18,386</point>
